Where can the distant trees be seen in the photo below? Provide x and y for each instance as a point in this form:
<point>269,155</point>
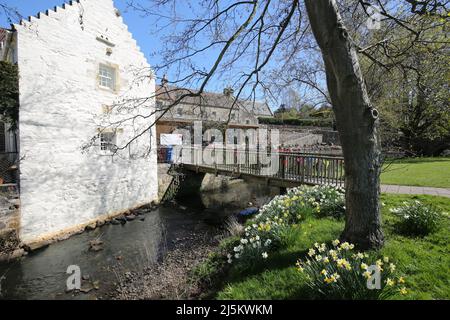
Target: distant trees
<point>408,80</point>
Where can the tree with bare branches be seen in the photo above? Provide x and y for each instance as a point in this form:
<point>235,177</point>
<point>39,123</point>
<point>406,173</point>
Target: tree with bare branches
<point>257,46</point>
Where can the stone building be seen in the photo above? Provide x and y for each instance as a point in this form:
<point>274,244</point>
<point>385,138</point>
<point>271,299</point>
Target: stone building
<point>211,108</point>
<point>75,62</point>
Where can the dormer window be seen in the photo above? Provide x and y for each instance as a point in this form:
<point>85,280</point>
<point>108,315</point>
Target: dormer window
<point>107,77</point>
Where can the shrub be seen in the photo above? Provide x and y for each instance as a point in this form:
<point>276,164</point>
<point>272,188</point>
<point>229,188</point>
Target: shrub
<point>417,219</point>
<point>298,122</point>
<point>339,273</point>
<point>9,93</point>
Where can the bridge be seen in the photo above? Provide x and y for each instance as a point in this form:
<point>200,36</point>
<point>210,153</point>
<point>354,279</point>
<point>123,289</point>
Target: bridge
<point>284,169</point>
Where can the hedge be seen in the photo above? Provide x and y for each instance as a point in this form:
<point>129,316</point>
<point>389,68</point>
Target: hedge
<point>298,122</point>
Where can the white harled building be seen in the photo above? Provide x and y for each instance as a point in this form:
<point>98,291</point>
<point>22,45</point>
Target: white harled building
<point>78,160</point>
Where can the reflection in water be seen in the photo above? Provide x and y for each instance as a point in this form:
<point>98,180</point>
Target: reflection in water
<point>131,247</point>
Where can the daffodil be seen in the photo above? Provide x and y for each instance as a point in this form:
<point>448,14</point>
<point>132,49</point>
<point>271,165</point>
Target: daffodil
<point>342,263</point>
<point>311,252</point>
<point>403,291</point>
<point>390,282</point>
<point>346,246</point>
<point>364,266</point>
<point>392,267</point>
<point>331,279</point>
<point>401,280</point>
<point>299,266</point>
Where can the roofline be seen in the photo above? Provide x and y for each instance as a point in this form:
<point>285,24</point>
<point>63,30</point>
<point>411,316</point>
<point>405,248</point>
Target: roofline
<point>238,101</point>
<point>46,12</point>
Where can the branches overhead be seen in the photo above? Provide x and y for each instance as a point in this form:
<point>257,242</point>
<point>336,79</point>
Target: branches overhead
<point>260,47</point>
<point>10,13</point>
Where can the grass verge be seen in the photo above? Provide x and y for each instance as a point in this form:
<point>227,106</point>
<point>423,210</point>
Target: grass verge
<point>421,172</point>
<point>423,261</point>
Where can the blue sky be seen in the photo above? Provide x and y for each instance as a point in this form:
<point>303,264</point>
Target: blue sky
<point>141,27</point>
<point>144,30</point>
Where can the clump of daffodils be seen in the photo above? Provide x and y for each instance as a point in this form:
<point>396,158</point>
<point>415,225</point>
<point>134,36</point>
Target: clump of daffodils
<point>417,219</point>
<point>327,200</point>
<point>338,272</point>
<point>264,232</point>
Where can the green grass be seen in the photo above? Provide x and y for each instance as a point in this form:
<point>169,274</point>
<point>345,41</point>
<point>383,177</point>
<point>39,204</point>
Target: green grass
<point>423,261</point>
<point>422,172</point>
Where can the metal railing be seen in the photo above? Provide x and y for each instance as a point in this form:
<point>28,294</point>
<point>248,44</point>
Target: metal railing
<point>304,168</point>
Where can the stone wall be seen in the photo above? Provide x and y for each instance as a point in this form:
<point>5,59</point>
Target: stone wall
<point>62,107</point>
<point>329,136</point>
<point>164,179</point>
<point>9,220</point>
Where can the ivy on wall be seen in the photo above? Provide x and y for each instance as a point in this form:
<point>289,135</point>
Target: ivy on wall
<point>9,93</point>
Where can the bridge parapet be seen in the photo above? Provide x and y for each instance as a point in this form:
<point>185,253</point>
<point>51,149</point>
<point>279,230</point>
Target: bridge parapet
<point>287,168</point>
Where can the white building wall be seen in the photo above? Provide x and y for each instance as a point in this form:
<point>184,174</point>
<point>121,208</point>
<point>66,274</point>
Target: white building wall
<point>61,107</point>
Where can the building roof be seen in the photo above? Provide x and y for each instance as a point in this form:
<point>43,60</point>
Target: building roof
<point>3,34</point>
<point>212,100</point>
<point>39,14</point>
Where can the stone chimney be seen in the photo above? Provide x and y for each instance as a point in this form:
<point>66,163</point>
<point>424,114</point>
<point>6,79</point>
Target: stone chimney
<point>164,81</point>
<point>228,91</point>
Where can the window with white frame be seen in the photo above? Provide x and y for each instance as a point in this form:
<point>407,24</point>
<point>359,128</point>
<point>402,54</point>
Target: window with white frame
<point>108,141</point>
<point>107,76</point>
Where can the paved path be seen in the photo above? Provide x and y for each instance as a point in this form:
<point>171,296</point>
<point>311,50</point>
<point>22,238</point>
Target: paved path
<point>416,190</point>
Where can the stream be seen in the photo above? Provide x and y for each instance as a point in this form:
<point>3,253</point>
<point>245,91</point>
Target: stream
<point>126,248</point>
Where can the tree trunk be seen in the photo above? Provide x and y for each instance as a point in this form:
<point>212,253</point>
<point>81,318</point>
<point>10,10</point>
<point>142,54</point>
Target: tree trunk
<point>357,123</point>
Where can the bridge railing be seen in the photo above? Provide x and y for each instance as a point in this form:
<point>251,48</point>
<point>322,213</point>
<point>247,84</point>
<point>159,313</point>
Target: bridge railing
<point>304,168</point>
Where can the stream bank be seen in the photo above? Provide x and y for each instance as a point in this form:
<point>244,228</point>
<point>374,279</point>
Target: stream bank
<point>161,246</point>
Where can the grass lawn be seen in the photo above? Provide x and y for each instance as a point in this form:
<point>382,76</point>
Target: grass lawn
<point>422,172</point>
<point>424,262</point>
